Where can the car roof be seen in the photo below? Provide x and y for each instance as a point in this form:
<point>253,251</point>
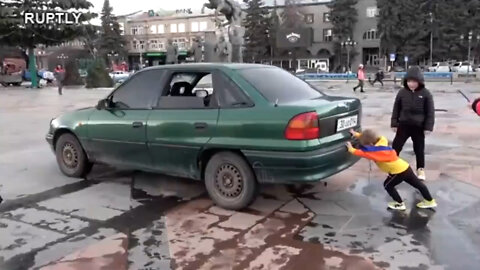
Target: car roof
<point>210,65</point>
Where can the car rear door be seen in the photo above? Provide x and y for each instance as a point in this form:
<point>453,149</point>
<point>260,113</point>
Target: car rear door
<point>181,125</point>
<point>117,135</point>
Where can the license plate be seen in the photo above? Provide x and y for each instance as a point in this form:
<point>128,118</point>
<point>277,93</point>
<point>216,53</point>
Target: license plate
<point>347,122</point>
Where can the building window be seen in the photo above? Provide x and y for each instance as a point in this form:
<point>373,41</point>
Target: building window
<point>142,44</point>
<point>181,28</point>
<point>161,45</point>
<point>134,44</point>
<point>134,30</point>
<point>372,12</point>
<point>203,26</point>
<point>327,35</point>
<point>371,34</point>
<point>153,44</point>
<point>161,29</point>
<point>326,17</point>
<point>308,18</point>
<point>173,28</point>
<point>194,27</point>
<point>180,43</point>
<point>122,28</point>
<point>153,29</point>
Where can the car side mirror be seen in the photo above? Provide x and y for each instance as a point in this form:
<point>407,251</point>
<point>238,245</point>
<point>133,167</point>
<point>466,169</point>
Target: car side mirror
<point>201,93</point>
<point>103,104</point>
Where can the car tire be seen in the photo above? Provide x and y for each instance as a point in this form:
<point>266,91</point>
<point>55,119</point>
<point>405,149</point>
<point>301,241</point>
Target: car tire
<point>71,157</point>
<point>230,181</point>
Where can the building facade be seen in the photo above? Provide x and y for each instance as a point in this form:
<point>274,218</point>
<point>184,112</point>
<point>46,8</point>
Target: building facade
<point>320,51</point>
<point>147,34</point>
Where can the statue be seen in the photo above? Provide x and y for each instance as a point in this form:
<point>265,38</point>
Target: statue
<point>223,50</point>
<point>233,13</point>
<point>172,53</point>
<point>197,50</point>
<point>229,8</point>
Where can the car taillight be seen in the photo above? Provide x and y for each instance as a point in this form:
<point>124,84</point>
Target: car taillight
<point>303,127</point>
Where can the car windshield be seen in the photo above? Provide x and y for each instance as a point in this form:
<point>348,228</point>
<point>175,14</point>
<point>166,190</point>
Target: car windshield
<point>457,64</point>
<point>279,86</point>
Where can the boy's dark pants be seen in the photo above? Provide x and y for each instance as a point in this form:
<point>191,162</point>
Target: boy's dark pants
<point>409,177</point>
<point>377,80</point>
<point>418,138</point>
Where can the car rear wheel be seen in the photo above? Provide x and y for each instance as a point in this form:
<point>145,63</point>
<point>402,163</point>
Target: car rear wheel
<point>71,157</point>
<point>230,181</point>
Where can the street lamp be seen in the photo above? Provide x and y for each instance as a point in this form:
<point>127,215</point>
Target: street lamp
<point>346,44</point>
<point>62,58</point>
<point>470,37</point>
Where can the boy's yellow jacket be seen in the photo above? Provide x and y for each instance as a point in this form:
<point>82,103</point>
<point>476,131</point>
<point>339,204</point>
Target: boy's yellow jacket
<point>383,155</point>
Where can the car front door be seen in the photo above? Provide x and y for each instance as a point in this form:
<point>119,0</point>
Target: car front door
<point>117,134</point>
<point>182,123</point>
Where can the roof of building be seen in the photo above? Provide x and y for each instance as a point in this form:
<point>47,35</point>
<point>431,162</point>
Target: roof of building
<point>196,12</point>
<point>271,3</point>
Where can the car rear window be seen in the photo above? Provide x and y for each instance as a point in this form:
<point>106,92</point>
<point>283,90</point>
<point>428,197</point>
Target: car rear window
<point>278,85</point>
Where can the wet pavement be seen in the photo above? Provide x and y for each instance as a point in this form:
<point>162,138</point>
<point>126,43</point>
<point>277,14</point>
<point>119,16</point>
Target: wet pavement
<point>130,220</point>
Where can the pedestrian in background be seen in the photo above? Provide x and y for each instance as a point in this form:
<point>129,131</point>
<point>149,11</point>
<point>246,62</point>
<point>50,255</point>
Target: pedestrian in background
<point>378,77</point>
<point>59,74</point>
<point>361,79</point>
<point>413,116</point>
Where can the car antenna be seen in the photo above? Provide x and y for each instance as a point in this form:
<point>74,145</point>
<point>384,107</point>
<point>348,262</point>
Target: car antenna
<point>276,103</point>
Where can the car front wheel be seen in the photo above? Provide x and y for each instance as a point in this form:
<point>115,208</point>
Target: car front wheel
<point>230,181</point>
<point>71,157</point>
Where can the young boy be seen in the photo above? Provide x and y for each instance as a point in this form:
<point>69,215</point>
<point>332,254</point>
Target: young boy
<point>413,116</point>
<point>376,148</point>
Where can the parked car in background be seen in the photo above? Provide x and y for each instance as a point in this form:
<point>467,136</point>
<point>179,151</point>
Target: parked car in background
<point>456,66</point>
<point>434,67</point>
<point>440,67</point>
<point>11,70</point>
<point>119,76</point>
<point>466,68</point>
<point>231,126</point>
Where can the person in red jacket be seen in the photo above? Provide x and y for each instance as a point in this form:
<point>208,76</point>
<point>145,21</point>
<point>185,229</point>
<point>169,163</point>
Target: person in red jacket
<point>361,78</point>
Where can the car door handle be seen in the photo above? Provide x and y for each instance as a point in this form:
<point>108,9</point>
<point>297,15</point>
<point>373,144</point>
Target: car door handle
<point>200,125</point>
<point>137,124</point>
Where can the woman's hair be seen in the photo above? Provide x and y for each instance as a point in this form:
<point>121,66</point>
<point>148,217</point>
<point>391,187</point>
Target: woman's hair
<point>368,137</point>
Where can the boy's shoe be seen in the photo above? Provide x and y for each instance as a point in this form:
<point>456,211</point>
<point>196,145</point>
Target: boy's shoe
<point>421,174</point>
<point>427,204</point>
<point>397,206</point>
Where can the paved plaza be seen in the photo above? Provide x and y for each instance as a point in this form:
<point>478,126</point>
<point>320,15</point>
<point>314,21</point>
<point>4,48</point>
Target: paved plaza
<point>126,220</point>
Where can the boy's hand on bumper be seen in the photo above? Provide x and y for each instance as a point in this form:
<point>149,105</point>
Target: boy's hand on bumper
<point>349,145</point>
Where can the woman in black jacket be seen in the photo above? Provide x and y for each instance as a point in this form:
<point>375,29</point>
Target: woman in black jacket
<point>413,116</point>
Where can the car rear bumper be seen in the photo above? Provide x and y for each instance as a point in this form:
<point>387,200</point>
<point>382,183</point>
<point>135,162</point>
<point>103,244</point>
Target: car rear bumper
<point>297,167</point>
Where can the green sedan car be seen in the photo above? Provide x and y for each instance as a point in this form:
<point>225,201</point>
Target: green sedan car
<point>232,126</point>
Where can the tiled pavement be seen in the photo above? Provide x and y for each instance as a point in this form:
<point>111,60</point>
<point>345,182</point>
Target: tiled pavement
<point>119,221</point>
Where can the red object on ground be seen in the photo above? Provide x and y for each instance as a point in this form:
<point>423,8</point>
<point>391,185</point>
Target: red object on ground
<point>476,106</point>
